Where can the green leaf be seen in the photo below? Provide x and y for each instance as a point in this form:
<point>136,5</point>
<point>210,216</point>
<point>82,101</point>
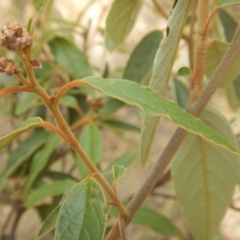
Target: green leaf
<point>23,127</point>
<point>118,172</point>
<point>120,126</point>
<point>22,153</point>
<point>69,101</point>
<point>204,177</point>
<point>121,18</point>
<point>146,216</point>
<point>38,4</point>
<point>27,101</point>
<point>40,160</point>
<point>110,45</point>
<point>162,69</point>
<point>138,66</point>
<point>154,104</point>
<point>82,215</point>
<point>215,53</point>
<point>91,141</point>
<point>229,24</point>
<point>48,190</point>
<point>70,57</point>
<point>49,224</point>
<point>226,3</point>
<point>182,93</point>
<point>183,71</point>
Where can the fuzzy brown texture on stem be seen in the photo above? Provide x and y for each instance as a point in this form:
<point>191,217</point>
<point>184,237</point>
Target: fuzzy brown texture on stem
<point>12,89</point>
<point>195,109</point>
<point>200,55</point>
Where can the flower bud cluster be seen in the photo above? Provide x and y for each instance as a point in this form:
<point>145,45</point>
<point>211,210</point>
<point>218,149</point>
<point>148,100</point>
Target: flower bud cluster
<point>8,66</point>
<point>15,37</point>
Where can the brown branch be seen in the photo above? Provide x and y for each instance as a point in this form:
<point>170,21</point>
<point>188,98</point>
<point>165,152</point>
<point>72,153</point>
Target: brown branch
<point>12,89</point>
<point>195,109</point>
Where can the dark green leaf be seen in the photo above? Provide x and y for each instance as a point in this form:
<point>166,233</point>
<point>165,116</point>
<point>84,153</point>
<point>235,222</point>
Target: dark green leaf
<point>27,101</point>
<point>229,24</point>
<point>70,57</point>
<point>40,160</point>
<point>82,215</point>
<point>146,216</point>
<point>118,125</point>
<point>138,66</point>
<point>22,153</point>
<point>49,224</point>
<point>48,190</point>
<point>182,93</point>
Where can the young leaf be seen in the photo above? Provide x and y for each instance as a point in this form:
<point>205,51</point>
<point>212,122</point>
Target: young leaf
<point>226,3</point>
<point>22,153</point>
<point>82,215</point>
<point>23,127</point>
<point>52,189</point>
<point>146,216</point>
<point>118,172</point>
<point>215,53</point>
<point>122,14</point>
<point>183,71</point>
<point>204,177</point>
<point>162,68</point>
<point>154,104</point>
<point>138,66</point>
<point>49,224</point>
<point>70,57</point>
<point>40,160</point>
<point>91,141</point>
<point>124,160</point>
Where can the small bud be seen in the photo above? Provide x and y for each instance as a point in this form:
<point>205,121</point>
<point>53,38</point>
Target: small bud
<point>95,102</point>
<point>8,66</point>
<point>36,63</point>
<point>14,37</point>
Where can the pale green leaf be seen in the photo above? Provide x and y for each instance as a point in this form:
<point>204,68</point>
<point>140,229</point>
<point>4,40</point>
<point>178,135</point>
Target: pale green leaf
<point>40,160</point>
<point>82,215</point>
<point>204,177</point>
<point>22,153</point>
<point>139,66</point>
<point>49,224</point>
<point>146,216</point>
<point>91,141</point>
<point>226,3</point>
<point>162,68</point>
<point>70,57</point>
<point>118,172</point>
<point>121,18</point>
<point>23,127</point>
<point>154,104</point>
<point>53,189</point>
<point>215,53</point>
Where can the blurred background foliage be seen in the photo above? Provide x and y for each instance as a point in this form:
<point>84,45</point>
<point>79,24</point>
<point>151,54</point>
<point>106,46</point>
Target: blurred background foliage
<point>70,41</point>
